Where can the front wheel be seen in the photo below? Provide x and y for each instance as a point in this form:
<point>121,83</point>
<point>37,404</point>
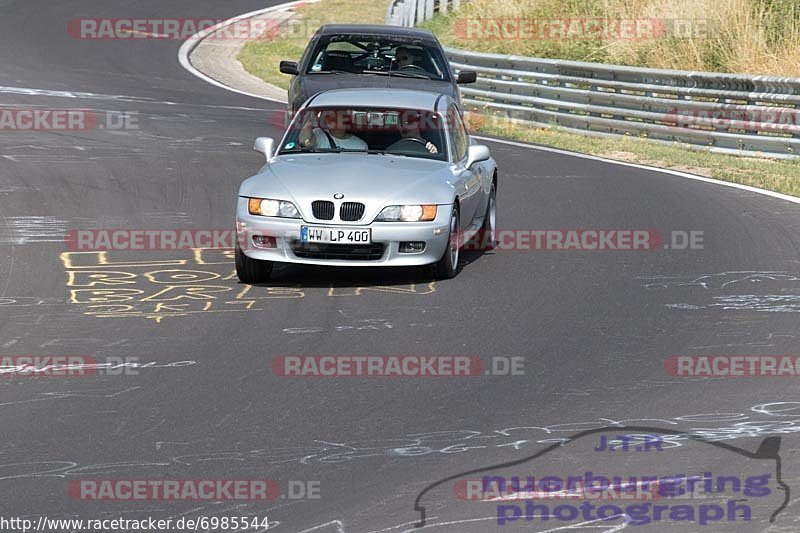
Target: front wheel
<point>250,270</point>
<point>447,266</point>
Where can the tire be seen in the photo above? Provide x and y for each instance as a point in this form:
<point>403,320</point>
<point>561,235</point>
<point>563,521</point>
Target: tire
<point>447,266</point>
<point>488,233</point>
<point>251,271</point>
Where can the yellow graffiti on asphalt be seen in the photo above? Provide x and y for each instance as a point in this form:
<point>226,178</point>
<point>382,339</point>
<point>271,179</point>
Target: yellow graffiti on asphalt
<point>202,282</point>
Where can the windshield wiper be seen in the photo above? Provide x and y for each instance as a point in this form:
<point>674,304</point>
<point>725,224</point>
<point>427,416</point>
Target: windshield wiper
<point>403,74</point>
<point>311,151</point>
<point>329,72</point>
<point>384,152</point>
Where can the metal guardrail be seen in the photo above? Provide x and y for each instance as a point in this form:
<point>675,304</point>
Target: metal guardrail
<point>725,113</point>
<point>410,12</point>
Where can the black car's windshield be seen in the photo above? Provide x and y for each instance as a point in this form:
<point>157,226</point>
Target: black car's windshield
<point>404,132</point>
<point>358,54</point>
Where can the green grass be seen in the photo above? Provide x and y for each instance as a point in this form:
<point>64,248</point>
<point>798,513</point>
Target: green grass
<point>261,59</point>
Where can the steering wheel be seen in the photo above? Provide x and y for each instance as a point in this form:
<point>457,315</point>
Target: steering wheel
<point>413,67</point>
<point>411,144</point>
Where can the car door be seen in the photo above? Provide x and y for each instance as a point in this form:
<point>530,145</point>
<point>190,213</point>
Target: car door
<point>468,181</point>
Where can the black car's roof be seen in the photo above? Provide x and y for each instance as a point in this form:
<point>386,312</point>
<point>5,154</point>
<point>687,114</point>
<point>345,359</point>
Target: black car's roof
<point>377,29</point>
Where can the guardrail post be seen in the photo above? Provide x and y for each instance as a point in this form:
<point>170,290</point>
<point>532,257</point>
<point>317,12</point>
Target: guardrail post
<point>456,5</point>
<point>391,14</point>
<point>410,13</point>
<point>428,9</point>
<point>443,7</point>
<point>420,11</point>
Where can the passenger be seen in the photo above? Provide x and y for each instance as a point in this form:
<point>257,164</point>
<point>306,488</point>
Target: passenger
<point>333,131</point>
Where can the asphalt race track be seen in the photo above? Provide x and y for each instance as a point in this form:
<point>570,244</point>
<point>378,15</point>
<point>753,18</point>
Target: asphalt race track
<point>594,328</point>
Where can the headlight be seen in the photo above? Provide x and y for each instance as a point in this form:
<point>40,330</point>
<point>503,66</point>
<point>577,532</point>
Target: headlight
<point>271,208</point>
<point>407,213</point>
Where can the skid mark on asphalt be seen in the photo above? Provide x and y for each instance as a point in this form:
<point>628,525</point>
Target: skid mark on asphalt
<point>28,229</point>
<point>758,421</point>
<point>724,280</point>
<point>744,290</point>
<point>728,339</point>
<point>367,324</point>
<point>334,525</point>
<point>50,396</point>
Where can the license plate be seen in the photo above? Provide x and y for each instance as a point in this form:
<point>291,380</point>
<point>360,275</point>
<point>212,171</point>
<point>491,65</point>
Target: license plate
<point>335,235</point>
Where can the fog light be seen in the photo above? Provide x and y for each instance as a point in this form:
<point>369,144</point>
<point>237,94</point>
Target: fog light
<point>263,241</point>
<point>412,247</point>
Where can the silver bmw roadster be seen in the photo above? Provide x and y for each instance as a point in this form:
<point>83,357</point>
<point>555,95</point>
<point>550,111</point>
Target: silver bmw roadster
<point>367,177</point>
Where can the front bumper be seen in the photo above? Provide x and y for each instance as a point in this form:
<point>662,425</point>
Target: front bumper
<point>286,233</point>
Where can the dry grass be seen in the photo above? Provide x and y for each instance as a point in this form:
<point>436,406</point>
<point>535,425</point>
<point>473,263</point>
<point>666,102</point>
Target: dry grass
<point>745,36</point>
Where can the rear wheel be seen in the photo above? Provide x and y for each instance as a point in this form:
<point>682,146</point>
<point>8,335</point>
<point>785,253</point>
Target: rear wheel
<point>447,266</point>
<point>251,270</point>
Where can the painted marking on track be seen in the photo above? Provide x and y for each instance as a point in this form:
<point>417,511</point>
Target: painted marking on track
<point>202,281</point>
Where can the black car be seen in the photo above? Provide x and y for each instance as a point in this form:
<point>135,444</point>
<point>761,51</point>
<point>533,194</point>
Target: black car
<point>359,55</point>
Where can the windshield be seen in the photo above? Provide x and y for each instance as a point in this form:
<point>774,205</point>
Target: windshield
<point>379,56</point>
<point>404,132</point>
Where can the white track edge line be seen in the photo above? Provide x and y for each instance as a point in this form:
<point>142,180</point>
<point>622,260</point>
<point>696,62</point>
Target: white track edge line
<point>192,42</point>
<point>749,188</point>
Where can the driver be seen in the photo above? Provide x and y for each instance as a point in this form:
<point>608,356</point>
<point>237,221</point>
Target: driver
<point>333,132</point>
<point>410,129</point>
<point>406,57</point>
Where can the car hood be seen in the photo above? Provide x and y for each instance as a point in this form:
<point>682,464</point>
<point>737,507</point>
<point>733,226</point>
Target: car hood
<point>315,83</point>
<point>373,179</point>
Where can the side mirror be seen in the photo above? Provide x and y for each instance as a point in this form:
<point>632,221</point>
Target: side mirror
<point>466,76</point>
<point>265,145</point>
<point>289,67</point>
<point>477,152</point>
